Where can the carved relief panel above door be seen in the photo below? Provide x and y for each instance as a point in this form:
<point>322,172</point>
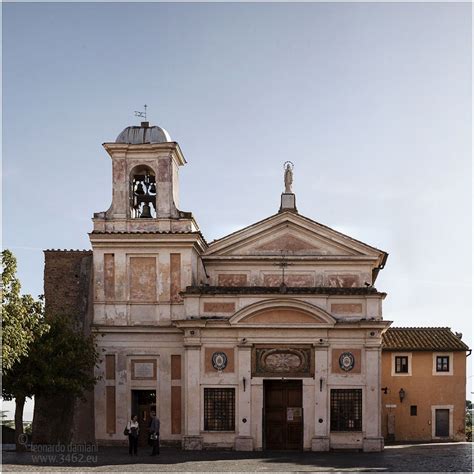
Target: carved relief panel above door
<point>282,361</point>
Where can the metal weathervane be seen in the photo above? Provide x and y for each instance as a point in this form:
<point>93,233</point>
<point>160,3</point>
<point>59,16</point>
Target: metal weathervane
<point>141,114</point>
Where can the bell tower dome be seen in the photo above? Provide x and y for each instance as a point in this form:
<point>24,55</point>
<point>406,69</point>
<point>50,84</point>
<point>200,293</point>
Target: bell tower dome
<point>145,183</point>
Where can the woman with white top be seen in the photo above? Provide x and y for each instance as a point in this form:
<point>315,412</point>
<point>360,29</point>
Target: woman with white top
<point>132,427</point>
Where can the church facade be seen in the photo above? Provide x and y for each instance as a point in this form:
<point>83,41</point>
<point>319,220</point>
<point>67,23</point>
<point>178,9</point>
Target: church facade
<point>268,338</point>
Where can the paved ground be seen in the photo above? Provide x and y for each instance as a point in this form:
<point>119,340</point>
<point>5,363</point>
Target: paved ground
<point>439,457</point>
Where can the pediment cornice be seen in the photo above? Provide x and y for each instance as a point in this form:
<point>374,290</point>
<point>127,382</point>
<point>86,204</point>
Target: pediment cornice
<point>297,236</point>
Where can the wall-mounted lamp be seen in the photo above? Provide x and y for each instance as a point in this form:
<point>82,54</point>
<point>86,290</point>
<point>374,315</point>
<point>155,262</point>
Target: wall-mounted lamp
<point>384,390</point>
<point>244,382</point>
<point>401,394</point>
<point>321,384</point>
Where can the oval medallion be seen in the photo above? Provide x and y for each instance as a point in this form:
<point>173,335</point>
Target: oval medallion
<point>346,361</point>
<point>219,360</point>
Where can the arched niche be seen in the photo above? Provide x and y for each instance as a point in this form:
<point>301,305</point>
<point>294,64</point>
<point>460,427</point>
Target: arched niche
<point>142,193</point>
<point>282,312</point>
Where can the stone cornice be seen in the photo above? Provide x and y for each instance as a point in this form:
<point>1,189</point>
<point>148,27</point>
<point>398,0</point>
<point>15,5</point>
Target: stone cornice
<point>102,328</point>
<point>147,239</point>
<point>309,259</point>
<point>122,150</point>
<point>287,291</point>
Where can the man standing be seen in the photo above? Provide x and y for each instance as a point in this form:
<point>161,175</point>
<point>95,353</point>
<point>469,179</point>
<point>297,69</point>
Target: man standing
<point>154,433</point>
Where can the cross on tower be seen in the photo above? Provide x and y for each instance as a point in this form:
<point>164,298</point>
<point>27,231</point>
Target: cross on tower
<point>283,263</point>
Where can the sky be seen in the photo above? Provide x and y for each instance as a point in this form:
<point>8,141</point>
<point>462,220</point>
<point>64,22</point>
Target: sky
<point>370,101</point>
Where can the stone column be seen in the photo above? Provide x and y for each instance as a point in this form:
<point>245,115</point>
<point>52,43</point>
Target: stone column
<point>192,438</point>
<point>244,440</point>
<point>373,440</point>
<point>320,441</point>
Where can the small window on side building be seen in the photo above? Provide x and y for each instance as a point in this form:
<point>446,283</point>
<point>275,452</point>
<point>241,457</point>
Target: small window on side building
<point>401,364</point>
<point>442,363</point>
<point>413,410</point>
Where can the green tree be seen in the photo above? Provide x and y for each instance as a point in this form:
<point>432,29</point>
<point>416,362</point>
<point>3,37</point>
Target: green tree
<point>22,315</point>
<point>23,323</point>
<point>468,420</point>
<point>41,354</point>
<point>61,361</point>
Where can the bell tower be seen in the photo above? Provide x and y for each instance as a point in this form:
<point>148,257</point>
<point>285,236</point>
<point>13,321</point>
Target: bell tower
<point>145,250</point>
<point>145,184</point>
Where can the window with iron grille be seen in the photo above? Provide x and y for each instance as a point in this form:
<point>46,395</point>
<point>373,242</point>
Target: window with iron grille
<point>219,409</point>
<point>346,409</point>
<point>442,363</point>
<point>401,364</point>
<point>413,410</point>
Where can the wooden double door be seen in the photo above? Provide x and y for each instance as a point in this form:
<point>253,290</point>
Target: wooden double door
<point>283,414</point>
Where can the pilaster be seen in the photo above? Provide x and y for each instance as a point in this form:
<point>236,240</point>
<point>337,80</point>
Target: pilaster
<point>373,440</point>
<point>192,439</point>
<point>244,440</point>
<point>320,440</point>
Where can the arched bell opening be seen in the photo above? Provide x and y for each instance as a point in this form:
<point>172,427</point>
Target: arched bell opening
<point>142,193</point>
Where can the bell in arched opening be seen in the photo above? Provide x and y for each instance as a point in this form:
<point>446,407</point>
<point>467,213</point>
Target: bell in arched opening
<point>142,193</point>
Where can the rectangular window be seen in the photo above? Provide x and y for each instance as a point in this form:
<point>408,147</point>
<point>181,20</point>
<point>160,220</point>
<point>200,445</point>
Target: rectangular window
<point>346,409</point>
<point>413,410</point>
<point>219,409</point>
<point>401,364</point>
<point>442,363</point>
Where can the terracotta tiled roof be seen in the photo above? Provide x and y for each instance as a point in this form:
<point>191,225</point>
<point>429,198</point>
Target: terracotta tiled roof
<point>422,339</point>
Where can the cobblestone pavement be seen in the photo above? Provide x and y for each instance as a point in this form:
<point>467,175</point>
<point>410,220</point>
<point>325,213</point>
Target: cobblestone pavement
<point>439,457</point>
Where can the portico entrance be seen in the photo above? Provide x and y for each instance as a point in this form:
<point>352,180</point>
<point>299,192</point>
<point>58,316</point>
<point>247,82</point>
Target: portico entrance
<point>283,414</point>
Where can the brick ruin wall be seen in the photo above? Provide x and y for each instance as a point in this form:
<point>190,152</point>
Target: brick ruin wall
<point>67,291</point>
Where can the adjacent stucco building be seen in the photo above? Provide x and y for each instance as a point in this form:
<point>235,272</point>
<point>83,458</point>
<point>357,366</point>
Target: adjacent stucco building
<point>423,384</point>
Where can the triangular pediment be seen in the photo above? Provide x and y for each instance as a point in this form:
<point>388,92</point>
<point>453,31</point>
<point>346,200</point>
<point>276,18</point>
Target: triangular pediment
<point>289,234</point>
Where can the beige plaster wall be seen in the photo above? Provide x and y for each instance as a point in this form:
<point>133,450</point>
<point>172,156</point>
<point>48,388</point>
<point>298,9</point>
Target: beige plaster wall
<point>144,286</point>
<point>127,347</point>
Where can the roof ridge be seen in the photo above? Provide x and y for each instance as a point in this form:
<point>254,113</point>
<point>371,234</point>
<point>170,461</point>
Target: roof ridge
<point>419,327</point>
